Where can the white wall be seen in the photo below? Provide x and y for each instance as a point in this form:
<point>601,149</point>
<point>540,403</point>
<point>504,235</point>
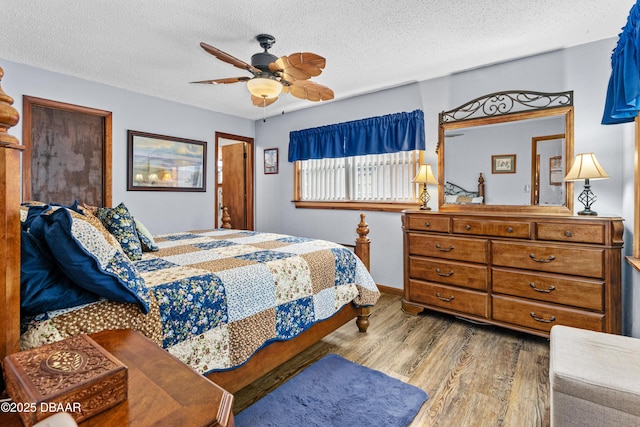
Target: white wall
<point>161,212</point>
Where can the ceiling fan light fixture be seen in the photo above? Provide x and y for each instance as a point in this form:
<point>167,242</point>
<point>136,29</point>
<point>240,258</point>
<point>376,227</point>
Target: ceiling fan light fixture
<point>264,87</point>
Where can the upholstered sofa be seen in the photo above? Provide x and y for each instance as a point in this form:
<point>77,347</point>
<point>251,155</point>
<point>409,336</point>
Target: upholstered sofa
<point>594,378</point>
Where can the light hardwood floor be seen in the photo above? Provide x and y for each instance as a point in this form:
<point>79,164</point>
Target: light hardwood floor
<point>475,375</point>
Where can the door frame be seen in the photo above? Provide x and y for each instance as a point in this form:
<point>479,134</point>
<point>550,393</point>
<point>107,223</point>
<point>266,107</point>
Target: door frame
<point>249,176</point>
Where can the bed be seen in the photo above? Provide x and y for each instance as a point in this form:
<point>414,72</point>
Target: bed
<point>207,262</point>
<point>455,194</point>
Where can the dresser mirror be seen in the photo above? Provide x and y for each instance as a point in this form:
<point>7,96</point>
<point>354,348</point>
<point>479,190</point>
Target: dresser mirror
<point>507,152</point>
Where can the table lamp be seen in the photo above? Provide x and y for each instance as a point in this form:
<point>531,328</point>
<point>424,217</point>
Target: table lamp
<point>425,176</point>
<point>586,167</point>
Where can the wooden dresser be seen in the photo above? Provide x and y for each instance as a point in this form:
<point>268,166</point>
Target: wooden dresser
<point>522,272</point>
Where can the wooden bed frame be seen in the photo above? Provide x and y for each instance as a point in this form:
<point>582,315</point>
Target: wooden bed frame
<point>455,190</point>
<point>260,363</point>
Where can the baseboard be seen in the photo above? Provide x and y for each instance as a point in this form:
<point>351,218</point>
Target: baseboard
<point>390,290</point>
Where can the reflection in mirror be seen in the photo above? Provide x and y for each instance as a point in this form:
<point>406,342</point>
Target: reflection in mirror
<point>547,166</point>
<point>522,144</point>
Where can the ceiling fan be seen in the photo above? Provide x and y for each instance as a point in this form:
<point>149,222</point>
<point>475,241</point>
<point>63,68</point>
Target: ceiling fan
<point>273,75</point>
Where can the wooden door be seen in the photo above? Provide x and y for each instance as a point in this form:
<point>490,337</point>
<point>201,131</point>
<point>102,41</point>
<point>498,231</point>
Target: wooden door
<point>234,179</point>
<point>234,193</point>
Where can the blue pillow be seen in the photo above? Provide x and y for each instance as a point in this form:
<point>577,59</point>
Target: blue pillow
<point>43,287</point>
<point>120,223</point>
<point>33,210</point>
<point>85,256</point>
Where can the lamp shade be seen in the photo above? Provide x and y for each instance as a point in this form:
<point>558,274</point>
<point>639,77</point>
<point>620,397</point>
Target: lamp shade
<point>264,87</point>
<point>586,166</point>
<point>425,175</point>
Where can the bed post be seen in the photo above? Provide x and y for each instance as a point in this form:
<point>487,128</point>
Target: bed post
<point>362,252</point>
<point>362,242</point>
<point>9,228</point>
<point>226,218</point>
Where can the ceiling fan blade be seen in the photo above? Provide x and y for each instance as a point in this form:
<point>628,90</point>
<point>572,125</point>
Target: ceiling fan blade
<point>312,91</point>
<point>262,102</point>
<point>310,62</point>
<point>224,81</point>
<point>225,57</point>
<point>299,66</point>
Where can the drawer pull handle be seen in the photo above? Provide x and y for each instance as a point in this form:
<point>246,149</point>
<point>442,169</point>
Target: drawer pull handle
<point>427,224</point>
<point>540,319</point>
<point>551,288</point>
<point>467,227</point>
<point>449,249</point>
<point>509,229</point>
<point>533,257</point>
<point>450,273</point>
<point>568,233</point>
<point>441,298</point>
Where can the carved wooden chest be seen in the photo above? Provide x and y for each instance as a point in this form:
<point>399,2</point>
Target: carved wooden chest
<point>75,375</point>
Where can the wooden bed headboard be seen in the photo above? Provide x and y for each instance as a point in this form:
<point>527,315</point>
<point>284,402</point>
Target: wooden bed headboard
<point>10,150</point>
<point>451,189</point>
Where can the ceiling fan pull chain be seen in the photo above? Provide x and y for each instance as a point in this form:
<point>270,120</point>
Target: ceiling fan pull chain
<point>264,112</point>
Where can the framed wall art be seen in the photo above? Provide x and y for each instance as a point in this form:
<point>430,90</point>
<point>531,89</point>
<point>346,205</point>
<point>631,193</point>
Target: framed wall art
<point>503,163</point>
<point>270,160</point>
<point>165,163</point>
<point>556,176</point>
<point>67,152</point>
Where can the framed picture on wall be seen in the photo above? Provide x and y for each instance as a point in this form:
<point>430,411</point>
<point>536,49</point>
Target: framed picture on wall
<point>555,170</point>
<point>270,160</point>
<point>503,163</point>
<point>165,163</point>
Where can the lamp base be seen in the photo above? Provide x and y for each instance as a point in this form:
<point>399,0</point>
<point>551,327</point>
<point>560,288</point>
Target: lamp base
<point>588,212</point>
<point>425,208</point>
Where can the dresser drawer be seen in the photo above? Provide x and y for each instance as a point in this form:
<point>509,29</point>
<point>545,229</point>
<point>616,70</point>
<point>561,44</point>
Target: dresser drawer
<point>448,272</point>
<point>580,293</point>
<point>571,232</point>
<point>451,298</point>
<point>428,223</point>
<point>515,229</point>
<point>458,248</point>
<point>542,316</point>
<point>574,260</point>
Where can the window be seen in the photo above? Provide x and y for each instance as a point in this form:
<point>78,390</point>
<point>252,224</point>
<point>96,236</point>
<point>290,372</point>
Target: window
<point>375,177</point>
<point>370,161</point>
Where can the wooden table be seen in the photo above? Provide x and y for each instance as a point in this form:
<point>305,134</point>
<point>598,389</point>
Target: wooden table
<point>162,390</point>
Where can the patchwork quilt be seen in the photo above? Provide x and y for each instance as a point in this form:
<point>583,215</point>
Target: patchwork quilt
<point>217,296</point>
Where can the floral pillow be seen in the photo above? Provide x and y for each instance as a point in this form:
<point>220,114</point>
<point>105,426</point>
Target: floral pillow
<point>86,257</point>
<point>121,224</point>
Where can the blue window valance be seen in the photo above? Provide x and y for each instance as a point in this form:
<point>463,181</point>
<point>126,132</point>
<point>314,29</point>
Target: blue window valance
<point>623,93</point>
<point>375,135</point>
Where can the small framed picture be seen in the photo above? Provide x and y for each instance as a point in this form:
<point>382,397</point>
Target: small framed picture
<point>555,170</point>
<point>503,163</point>
<point>270,160</point>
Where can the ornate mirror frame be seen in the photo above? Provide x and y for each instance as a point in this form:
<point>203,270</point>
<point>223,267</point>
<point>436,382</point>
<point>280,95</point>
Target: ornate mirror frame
<point>504,107</point>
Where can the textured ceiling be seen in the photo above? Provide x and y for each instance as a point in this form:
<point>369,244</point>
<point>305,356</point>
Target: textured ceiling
<point>152,46</point>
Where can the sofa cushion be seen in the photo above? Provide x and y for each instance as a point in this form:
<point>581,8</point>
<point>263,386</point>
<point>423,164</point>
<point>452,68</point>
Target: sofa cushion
<point>597,367</point>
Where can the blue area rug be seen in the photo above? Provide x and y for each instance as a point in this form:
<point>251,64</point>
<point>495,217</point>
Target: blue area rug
<point>336,392</point>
